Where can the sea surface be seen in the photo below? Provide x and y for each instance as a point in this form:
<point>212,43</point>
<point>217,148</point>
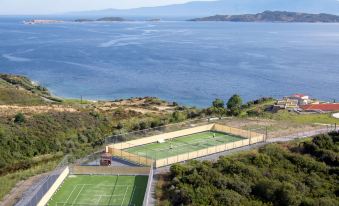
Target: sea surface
<point>188,62</point>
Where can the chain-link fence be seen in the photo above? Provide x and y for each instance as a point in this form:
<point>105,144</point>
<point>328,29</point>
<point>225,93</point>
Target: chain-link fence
<point>74,204</point>
<point>275,130</point>
<point>33,196</point>
<point>181,145</point>
<point>301,132</point>
<point>148,197</point>
<point>158,130</point>
<point>104,170</point>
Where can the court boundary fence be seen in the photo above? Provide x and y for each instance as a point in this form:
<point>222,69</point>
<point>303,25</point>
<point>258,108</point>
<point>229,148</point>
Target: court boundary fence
<point>147,196</point>
<point>54,187</point>
<point>250,137</point>
<point>34,195</point>
<point>74,204</point>
<point>103,170</point>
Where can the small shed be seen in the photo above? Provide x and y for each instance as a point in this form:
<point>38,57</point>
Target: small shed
<point>106,159</point>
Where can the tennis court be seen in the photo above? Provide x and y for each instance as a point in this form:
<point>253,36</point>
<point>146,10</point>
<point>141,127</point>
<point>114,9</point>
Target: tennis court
<point>182,145</point>
<point>96,190</point>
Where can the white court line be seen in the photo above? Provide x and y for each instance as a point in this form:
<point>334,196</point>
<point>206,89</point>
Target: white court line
<point>98,203</point>
<point>106,185</point>
<point>116,180</point>
<point>70,195</point>
<point>123,200</point>
<point>134,188</point>
<point>107,195</point>
<point>76,198</point>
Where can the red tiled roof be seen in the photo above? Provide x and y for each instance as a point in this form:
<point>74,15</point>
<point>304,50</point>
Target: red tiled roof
<point>323,107</point>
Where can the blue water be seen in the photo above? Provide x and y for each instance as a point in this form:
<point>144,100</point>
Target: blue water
<point>188,62</point>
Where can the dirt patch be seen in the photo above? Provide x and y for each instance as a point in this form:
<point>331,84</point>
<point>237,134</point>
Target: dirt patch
<point>140,105</point>
<point>10,110</point>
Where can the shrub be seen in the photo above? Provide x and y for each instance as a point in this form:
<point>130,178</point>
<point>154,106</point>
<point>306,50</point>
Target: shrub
<point>19,118</point>
<point>218,103</point>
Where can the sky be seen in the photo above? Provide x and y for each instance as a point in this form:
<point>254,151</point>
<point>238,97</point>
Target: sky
<point>21,7</point>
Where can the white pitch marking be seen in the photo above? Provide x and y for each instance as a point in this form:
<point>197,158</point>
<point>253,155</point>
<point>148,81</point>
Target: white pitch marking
<point>70,194</point>
<point>123,200</point>
<point>76,198</point>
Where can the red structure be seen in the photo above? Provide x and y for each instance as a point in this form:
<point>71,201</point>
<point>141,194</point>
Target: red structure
<point>106,159</point>
<point>322,107</point>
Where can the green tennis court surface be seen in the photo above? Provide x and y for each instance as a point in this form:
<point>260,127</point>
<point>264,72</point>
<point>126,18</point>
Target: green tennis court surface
<point>95,190</point>
<point>182,145</point>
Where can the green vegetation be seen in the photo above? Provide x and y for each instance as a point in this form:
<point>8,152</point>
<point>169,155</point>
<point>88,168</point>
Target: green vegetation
<point>20,90</point>
<point>181,145</point>
<point>299,173</point>
<point>16,96</point>
<point>19,118</point>
<point>234,105</point>
<point>9,180</point>
<point>302,118</point>
<point>75,101</point>
<point>101,190</point>
<point>32,132</point>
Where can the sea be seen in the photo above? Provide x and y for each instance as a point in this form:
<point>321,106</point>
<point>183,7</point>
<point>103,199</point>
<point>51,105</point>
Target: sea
<point>191,63</point>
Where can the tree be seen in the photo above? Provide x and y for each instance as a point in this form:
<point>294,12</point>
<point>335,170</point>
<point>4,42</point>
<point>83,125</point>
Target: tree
<point>234,105</point>
<point>218,103</point>
<point>19,118</point>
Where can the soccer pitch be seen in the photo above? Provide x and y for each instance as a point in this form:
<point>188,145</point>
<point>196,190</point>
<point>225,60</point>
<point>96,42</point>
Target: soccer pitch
<point>96,190</point>
<point>182,145</point>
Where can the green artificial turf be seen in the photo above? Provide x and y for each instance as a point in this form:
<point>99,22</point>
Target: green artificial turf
<point>182,145</point>
<point>95,190</point>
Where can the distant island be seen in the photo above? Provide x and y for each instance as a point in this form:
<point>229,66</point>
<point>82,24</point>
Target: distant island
<point>274,16</point>
<point>40,21</point>
<point>112,19</point>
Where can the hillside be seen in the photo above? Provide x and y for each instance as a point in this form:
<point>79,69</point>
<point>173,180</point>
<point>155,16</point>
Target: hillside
<point>274,16</point>
<point>36,131</point>
<point>198,8</point>
<point>113,19</point>
<point>290,174</point>
<point>20,90</point>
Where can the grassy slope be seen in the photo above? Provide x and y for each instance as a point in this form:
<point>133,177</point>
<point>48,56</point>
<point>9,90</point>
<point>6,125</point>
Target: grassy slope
<point>258,110</point>
<point>304,118</point>
<point>16,89</point>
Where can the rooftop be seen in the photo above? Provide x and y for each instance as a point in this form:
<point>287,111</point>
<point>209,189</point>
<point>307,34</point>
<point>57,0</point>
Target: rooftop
<point>323,107</point>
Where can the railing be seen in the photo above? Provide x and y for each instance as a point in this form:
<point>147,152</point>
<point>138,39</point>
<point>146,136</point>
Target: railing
<point>149,186</point>
<point>33,196</point>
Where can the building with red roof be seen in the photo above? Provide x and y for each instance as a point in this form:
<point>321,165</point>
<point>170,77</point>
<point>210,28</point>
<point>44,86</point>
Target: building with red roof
<point>321,107</point>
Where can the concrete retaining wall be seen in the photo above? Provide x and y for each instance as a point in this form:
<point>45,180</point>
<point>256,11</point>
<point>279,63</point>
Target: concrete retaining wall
<point>87,170</point>
<point>44,200</point>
